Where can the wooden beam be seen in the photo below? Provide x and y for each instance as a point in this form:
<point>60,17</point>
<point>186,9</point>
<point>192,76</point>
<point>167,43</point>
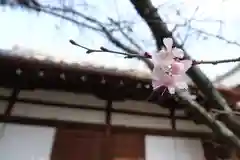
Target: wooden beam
<point>173,119</point>
<point>108,113</point>
<point>115,129</point>
<point>45,103</point>
<point>11,101</point>
<point>108,131</point>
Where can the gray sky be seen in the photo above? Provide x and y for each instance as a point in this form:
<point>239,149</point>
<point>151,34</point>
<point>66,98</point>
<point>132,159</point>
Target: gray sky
<point>50,35</point>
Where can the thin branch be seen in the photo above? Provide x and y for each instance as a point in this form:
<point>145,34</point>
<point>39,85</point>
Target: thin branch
<point>103,49</point>
<point>115,41</point>
<point>188,23</point>
<point>216,61</point>
<point>131,40</point>
<point>216,36</point>
<point>83,24</point>
<point>225,112</point>
<point>146,10</point>
<point>148,56</point>
<point>216,125</point>
<point>102,29</point>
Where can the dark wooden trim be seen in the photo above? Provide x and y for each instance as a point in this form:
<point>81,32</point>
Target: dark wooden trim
<point>114,129</point>
<point>173,119</point>
<point>156,115</point>
<point>108,117</point>
<point>108,131</point>
<point>108,112</point>
<point>11,101</point>
<point>45,103</point>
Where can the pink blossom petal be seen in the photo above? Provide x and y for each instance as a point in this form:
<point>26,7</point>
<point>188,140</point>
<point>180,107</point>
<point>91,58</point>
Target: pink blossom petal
<point>168,80</point>
<point>168,71</point>
<point>177,52</point>
<point>171,89</point>
<point>156,84</point>
<point>168,42</point>
<point>157,57</point>
<point>167,60</point>
<point>181,85</point>
<point>177,67</point>
<point>179,78</point>
<point>157,73</point>
<point>187,64</point>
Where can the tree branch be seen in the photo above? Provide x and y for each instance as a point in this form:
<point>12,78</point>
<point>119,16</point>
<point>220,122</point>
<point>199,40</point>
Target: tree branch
<point>159,30</point>
<point>217,126</point>
<point>103,29</point>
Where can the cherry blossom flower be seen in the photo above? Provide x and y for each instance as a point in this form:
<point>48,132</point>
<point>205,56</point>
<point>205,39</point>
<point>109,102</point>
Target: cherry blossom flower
<point>168,69</point>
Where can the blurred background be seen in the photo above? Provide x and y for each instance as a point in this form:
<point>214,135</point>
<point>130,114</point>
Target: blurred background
<point>208,30</point>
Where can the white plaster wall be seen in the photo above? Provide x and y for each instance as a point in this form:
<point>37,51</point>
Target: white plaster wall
<point>57,113</point>
<point>5,91</point>
<point>140,121</point>
<point>191,126</point>
<point>91,116</point>
<point>140,106</point>
<point>156,123</point>
<point>170,148</point>
<point>63,97</point>
<point>22,142</point>
<point>3,106</point>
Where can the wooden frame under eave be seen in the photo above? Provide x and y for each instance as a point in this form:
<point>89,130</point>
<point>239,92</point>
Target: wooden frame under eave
<point>103,127</point>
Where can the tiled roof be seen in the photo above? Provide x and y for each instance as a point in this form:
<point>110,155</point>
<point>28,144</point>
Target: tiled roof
<point>30,54</point>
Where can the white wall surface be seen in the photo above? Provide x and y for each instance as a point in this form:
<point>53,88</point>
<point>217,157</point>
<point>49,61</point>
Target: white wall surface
<point>171,148</point>
<point>95,117</point>
<point>22,142</point>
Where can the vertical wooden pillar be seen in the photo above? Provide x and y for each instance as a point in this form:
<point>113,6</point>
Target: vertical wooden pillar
<point>107,155</point>
<point>11,102</point>
<point>209,151</point>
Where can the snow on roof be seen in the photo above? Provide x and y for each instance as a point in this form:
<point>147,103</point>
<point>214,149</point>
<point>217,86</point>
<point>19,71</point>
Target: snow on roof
<point>139,73</point>
<point>81,63</point>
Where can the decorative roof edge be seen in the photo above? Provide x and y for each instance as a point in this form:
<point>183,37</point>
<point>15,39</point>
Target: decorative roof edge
<point>33,55</point>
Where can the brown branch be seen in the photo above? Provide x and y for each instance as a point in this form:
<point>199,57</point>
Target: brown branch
<point>216,61</point>
<point>102,28</point>
<point>147,11</point>
<point>131,40</point>
<point>148,56</point>
<point>216,36</point>
<point>82,24</point>
<point>188,23</point>
<point>216,125</point>
<point>108,34</point>
<point>103,49</point>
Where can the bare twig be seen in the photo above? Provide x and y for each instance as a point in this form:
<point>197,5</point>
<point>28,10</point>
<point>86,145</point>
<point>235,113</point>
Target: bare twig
<point>83,24</point>
<point>217,61</point>
<point>101,29</point>
<point>224,112</point>
<point>216,36</point>
<point>216,125</point>
<point>103,49</point>
<point>148,56</point>
<point>131,40</point>
<point>188,23</point>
